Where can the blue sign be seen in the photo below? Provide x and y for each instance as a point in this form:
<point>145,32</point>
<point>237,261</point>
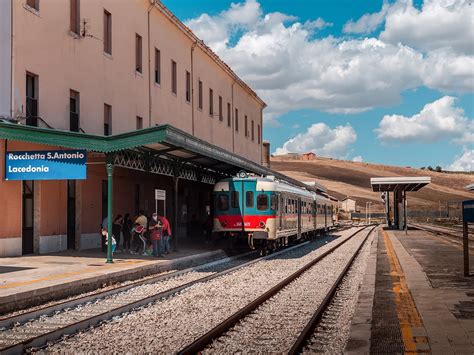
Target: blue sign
<point>468,211</point>
<point>46,165</point>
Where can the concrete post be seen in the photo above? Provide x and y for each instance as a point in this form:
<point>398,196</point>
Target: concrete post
<point>36,216</point>
<point>77,242</point>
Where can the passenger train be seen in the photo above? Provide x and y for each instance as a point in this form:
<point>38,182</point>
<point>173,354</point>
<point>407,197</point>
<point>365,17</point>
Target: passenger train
<point>268,213</point>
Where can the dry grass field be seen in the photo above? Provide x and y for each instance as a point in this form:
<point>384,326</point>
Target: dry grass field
<point>346,178</point>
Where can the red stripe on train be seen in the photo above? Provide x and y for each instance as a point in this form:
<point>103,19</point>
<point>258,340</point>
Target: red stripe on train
<point>248,221</point>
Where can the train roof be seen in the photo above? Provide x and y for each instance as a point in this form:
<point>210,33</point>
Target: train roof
<point>269,183</point>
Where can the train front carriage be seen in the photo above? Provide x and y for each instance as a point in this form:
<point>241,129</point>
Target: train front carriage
<point>245,211</point>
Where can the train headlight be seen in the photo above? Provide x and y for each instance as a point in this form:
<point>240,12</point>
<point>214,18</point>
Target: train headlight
<point>223,224</point>
<point>262,224</point>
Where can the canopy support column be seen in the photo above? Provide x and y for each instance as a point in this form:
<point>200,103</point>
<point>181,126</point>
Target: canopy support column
<point>175,206</point>
<point>110,179</point>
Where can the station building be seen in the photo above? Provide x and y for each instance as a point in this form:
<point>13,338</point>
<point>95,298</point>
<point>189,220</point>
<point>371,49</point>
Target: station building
<point>76,74</point>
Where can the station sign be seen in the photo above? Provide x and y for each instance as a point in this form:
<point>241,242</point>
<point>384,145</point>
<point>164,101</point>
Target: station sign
<point>160,195</point>
<point>46,165</point>
<point>468,211</point>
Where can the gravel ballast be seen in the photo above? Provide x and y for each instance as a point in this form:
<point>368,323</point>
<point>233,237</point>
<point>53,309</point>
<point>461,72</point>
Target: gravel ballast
<point>275,326</point>
<point>169,325</point>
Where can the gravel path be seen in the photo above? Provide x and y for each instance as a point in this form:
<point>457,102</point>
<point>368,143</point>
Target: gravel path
<point>169,325</point>
<point>333,332</point>
<point>275,325</point>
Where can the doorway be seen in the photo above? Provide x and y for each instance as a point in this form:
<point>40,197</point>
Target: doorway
<point>28,217</point>
<point>71,214</point>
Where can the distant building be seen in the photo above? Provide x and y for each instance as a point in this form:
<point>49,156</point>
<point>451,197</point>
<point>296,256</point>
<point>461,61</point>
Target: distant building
<point>289,156</point>
<point>308,156</point>
<point>348,205</point>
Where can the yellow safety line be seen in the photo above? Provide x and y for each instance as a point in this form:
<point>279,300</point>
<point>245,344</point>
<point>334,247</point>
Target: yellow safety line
<point>408,315</point>
<point>68,274</point>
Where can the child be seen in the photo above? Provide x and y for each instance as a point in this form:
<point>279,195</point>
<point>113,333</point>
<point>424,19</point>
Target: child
<point>105,234</point>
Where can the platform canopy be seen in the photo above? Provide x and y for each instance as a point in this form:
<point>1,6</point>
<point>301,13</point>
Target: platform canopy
<point>470,187</point>
<point>381,184</point>
<point>158,149</point>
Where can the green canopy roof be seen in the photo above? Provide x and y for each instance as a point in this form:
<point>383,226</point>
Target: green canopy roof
<point>163,140</point>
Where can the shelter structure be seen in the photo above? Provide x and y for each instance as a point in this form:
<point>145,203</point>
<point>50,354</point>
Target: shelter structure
<point>161,150</point>
<point>399,186</point>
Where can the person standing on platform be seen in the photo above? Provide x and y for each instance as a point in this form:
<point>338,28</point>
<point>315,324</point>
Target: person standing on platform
<point>141,219</point>
<point>155,229</point>
<point>127,232</point>
<point>166,234</point>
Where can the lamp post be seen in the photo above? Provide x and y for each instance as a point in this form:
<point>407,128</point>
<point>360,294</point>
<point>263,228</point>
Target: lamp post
<point>369,210</point>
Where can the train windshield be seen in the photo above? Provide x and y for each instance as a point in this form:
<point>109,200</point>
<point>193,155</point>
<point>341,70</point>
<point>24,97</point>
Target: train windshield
<point>222,202</point>
<point>249,199</point>
<point>234,199</point>
<point>262,202</point>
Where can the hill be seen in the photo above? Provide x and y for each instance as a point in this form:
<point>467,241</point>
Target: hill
<point>346,178</point>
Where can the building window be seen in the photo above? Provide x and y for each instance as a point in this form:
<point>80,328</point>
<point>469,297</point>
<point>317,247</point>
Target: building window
<point>157,66</point>
<point>188,86</point>
<point>236,119</point>
<point>229,115</point>
<point>200,94</point>
<point>75,16</point>
<point>107,32</point>
<point>221,116</point>
<point>74,104</point>
<point>174,83</point>
<point>259,134</point>
<point>32,99</point>
<point>138,53</point>
<point>253,130</point>
<point>246,126</point>
<point>107,120</point>
<point>139,122</point>
<point>33,4</point>
<point>211,102</point>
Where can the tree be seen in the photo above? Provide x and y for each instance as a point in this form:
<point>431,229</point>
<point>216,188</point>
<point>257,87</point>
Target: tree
<point>438,169</point>
<point>422,168</point>
<point>429,168</point>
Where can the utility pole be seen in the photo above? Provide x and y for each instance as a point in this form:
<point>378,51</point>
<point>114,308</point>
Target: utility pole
<point>369,210</point>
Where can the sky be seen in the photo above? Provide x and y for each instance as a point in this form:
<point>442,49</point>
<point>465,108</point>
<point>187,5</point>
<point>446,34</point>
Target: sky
<point>378,81</point>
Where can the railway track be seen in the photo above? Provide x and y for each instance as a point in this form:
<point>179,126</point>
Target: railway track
<point>203,342</point>
<point>34,329</point>
<point>449,234</point>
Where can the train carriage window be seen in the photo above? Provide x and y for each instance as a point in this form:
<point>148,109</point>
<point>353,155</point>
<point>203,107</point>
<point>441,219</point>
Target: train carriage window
<point>234,199</point>
<point>222,202</point>
<point>249,199</point>
<point>262,202</point>
<point>273,202</point>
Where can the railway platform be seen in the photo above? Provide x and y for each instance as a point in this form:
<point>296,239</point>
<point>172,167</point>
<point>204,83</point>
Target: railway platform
<point>414,297</point>
<point>30,280</point>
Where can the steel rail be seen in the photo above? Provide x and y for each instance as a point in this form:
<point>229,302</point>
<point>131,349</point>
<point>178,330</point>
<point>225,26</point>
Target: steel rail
<point>40,340</point>
<point>308,330</point>
<point>24,317</point>
<point>206,339</point>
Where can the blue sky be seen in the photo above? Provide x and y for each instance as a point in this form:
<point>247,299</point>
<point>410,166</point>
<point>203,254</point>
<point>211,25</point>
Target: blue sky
<point>418,62</point>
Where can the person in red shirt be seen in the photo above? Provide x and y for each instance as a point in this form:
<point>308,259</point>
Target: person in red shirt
<point>166,234</point>
<point>156,227</point>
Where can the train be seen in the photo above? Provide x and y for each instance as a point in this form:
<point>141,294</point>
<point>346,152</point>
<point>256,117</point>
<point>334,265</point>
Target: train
<point>267,213</point>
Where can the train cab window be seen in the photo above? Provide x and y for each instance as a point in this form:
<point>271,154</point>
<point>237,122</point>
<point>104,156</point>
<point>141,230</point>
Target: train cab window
<point>234,199</point>
<point>262,202</point>
<point>222,202</point>
<point>249,199</point>
<point>274,202</point>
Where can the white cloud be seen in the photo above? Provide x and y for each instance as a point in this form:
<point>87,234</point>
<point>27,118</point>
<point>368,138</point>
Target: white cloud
<point>322,140</point>
<point>439,24</point>
<point>368,22</point>
<point>436,121</point>
<point>290,68</point>
<point>358,159</point>
<point>464,162</point>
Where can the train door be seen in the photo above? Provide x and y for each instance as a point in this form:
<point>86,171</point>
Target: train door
<point>281,211</point>
<point>325,216</point>
<point>298,212</point>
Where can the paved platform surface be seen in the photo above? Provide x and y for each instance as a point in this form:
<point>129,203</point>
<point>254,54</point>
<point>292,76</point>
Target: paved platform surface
<point>29,280</point>
<point>414,298</point>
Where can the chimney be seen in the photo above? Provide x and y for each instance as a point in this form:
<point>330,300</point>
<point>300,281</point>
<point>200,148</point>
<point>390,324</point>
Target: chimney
<point>266,154</point>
